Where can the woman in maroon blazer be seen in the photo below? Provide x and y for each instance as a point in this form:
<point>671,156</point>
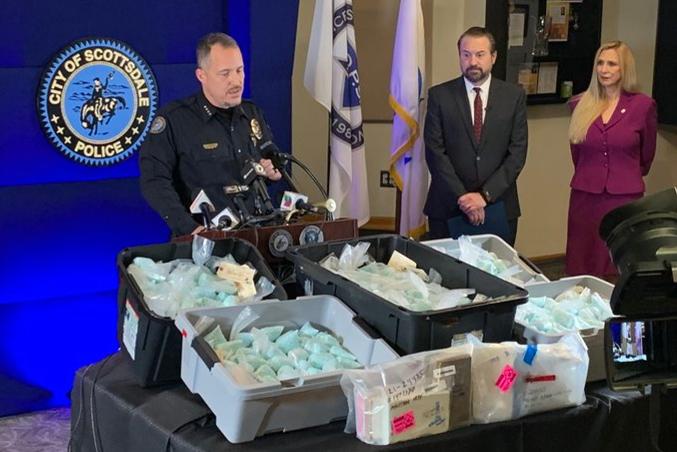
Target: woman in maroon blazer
<point>613,142</point>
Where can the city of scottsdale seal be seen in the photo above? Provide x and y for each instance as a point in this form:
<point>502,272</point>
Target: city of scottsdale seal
<point>96,101</point>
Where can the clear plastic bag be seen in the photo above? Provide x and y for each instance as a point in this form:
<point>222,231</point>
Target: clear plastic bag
<point>202,249</point>
<point>181,284</point>
<point>406,288</point>
<point>469,252</point>
<point>164,295</point>
<point>152,271</point>
<point>485,260</point>
<point>245,318</point>
<point>353,257</point>
<point>511,380</point>
<point>417,395</point>
<point>204,323</point>
<point>576,309</point>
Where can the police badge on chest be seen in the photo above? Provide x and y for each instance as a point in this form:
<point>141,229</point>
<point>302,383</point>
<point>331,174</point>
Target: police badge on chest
<point>255,132</point>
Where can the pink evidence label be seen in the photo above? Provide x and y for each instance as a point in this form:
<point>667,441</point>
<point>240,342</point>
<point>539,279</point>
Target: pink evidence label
<point>403,422</point>
<point>506,379</point>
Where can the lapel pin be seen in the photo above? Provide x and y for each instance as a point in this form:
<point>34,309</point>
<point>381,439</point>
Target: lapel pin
<point>623,110</point>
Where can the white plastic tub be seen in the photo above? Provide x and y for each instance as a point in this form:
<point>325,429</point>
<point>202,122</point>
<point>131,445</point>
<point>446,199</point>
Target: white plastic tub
<point>528,273</point>
<point>244,412</point>
<point>593,338</point>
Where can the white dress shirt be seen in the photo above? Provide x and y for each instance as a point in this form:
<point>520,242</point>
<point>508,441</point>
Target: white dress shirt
<point>484,95</point>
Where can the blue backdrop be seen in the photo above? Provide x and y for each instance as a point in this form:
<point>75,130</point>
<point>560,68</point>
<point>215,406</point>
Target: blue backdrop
<point>62,223</point>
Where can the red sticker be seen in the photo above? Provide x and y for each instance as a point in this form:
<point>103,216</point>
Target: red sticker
<point>540,378</point>
<point>403,422</point>
<point>506,379</point>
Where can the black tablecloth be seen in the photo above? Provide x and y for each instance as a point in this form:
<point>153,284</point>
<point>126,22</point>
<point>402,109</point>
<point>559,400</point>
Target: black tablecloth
<point>111,413</point>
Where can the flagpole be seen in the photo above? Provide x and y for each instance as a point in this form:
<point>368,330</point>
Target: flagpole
<point>398,210</point>
<point>328,149</point>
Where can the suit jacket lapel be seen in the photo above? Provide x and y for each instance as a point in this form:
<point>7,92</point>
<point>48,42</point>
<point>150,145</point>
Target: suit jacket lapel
<point>617,115</point>
<point>464,107</point>
<point>620,111</point>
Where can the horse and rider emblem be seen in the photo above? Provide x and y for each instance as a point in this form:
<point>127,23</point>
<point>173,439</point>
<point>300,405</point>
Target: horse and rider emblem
<point>97,100</point>
<point>100,108</point>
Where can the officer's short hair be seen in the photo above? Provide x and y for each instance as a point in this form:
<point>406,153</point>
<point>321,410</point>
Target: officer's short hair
<point>205,44</point>
<point>478,32</point>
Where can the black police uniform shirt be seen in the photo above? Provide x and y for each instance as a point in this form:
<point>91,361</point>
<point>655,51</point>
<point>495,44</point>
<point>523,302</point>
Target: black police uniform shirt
<point>195,146</point>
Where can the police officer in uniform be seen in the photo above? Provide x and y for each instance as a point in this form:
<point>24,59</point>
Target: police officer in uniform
<point>204,141</point>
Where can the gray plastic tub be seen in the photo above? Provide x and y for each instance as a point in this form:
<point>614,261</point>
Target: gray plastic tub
<point>245,411</point>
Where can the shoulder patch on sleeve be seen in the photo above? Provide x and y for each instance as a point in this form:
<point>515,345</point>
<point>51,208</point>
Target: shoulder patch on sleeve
<point>158,125</point>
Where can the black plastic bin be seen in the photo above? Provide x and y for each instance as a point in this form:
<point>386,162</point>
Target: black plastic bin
<point>412,331</point>
<point>157,348</point>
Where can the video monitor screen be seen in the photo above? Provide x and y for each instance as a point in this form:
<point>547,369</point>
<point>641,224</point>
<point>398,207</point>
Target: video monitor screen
<point>629,342</point>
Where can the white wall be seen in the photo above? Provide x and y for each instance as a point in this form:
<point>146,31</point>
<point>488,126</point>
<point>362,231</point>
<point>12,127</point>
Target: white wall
<point>309,120</point>
<point>544,182</point>
<point>635,23</point>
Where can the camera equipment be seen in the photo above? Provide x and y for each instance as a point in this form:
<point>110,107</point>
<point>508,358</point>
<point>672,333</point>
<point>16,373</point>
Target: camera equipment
<point>641,344</point>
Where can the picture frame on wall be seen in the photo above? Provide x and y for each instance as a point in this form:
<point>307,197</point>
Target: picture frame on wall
<point>547,78</point>
<point>527,77</point>
<point>518,25</point>
<point>558,12</point>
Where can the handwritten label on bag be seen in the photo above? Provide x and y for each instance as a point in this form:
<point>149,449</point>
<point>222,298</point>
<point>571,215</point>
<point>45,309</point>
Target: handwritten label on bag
<point>444,371</point>
<point>406,389</point>
<point>506,379</point>
<point>241,275</point>
<point>404,422</point>
<point>400,262</point>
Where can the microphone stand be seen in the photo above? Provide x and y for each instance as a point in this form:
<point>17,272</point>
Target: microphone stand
<point>280,160</point>
<point>206,215</point>
<point>287,178</point>
<point>310,174</point>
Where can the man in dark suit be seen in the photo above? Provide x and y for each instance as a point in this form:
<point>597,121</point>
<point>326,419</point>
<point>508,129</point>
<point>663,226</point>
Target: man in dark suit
<point>476,140</point>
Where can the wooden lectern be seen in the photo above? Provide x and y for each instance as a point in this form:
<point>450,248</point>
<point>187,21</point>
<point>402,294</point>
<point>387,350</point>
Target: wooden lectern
<point>270,242</point>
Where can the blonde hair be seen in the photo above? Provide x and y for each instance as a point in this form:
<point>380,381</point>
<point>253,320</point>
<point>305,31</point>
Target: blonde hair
<point>594,100</point>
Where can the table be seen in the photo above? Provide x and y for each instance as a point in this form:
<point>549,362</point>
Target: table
<point>111,413</point>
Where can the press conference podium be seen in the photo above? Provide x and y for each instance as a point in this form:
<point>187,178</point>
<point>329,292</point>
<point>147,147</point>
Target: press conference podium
<point>342,228</point>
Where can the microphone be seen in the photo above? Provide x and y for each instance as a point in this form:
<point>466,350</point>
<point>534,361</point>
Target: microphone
<point>303,205</point>
<point>234,189</point>
<point>237,193</point>
<point>270,151</point>
<point>206,209</point>
<point>242,208</point>
<point>251,175</point>
<point>203,205</point>
<point>297,201</point>
<point>328,205</point>
<point>290,200</point>
<point>226,219</point>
